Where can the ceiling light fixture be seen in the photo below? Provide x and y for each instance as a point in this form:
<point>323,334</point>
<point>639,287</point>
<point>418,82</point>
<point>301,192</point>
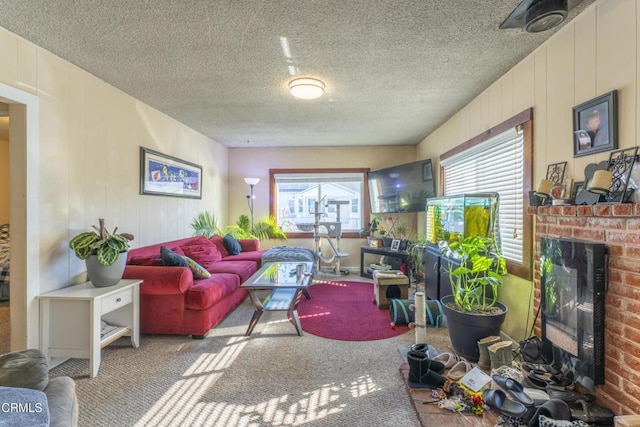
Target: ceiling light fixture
<point>544,15</point>
<point>306,88</point>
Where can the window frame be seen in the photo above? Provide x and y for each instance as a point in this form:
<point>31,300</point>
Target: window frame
<point>366,206</point>
<point>525,119</point>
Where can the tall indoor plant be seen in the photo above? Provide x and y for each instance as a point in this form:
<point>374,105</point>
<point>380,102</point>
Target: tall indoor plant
<point>473,311</point>
<point>104,253</point>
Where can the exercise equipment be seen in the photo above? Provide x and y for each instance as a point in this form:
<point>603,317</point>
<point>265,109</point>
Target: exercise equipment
<point>326,231</point>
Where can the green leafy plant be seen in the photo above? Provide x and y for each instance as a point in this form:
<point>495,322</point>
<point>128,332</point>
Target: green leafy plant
<point>480,269</point>
<point>107,246</point>
<point>206,224</point>
<point>266,228</point>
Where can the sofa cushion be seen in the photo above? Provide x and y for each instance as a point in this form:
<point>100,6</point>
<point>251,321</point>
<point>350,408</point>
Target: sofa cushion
<point>63,402</point>
<point>244,269</point>
<point>207,292</point>
<point>202,251</point>
<point>198,271</point>
<point>232,245</point>
<point>145,260</point>
<point>24,368</point>
<point>33,403</point>
<point>217,240</point>
<point>171,258</point>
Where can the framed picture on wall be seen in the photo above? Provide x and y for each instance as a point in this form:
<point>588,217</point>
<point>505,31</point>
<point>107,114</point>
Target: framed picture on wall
<point>395,245</point>
<point>164,175</point>
<point>595,125</point>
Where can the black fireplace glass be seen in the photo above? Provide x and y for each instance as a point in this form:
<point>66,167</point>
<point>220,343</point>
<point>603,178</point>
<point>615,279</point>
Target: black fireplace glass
<point>572,278</point>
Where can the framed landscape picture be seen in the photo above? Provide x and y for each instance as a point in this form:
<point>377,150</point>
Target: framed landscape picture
<point>595,125</point>
<point>164,175</point>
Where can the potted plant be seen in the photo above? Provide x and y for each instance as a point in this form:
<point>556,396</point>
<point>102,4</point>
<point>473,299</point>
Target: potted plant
<point>104,253</point>
<point>206,224</point>
<point>266,228</point>
<point>472,309</point>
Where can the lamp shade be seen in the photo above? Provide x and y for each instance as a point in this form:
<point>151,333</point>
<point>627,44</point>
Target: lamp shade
<point>252,181</point>
<point>306,88</point>
<point>600,182</point>
<point>544,188</point>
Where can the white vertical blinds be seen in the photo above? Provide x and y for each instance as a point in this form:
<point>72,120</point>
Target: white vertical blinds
<point>495,165</point>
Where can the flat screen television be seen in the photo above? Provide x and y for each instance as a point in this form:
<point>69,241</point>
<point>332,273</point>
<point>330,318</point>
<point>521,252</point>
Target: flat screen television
<point>402,188</point>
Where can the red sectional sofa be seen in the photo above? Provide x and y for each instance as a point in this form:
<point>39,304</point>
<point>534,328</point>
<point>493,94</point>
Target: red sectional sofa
<point>172,302</point>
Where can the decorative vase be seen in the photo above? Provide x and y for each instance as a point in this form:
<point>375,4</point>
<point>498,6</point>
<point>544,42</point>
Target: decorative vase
<point>465,328</point>
<point>105,275</point>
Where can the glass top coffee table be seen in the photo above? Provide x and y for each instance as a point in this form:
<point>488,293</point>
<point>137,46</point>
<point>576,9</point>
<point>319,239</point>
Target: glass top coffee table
<point>285,282</point>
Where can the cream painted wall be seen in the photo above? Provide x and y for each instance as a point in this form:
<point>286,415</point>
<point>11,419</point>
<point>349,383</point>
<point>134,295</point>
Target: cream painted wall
<point>256,162</point>
<point>4,182</point>
<point>593,54</point>
<point>88,167</point>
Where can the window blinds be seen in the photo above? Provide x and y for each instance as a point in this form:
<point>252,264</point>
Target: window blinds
<point>495,165</point>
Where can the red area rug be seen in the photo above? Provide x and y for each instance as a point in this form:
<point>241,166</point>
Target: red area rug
<point>345,311</point>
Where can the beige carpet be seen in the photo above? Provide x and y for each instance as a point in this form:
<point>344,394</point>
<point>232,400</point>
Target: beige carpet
<point>273,378</point>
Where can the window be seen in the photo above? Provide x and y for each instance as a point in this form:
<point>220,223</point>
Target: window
<point>502,164</point>
<point>340,193</point>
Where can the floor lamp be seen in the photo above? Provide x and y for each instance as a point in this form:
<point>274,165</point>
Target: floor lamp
<point>250,197</point>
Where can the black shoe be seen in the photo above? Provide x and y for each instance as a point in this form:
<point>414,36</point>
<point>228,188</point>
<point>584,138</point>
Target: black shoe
<point>420,374</point>
<point>555,409</point>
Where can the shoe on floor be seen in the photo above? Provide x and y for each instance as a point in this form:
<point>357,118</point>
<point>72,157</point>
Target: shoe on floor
<point>497,399</point>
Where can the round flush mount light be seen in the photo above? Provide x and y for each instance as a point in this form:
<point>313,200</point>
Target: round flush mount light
<point>544,15</point>
<point>306,88</point>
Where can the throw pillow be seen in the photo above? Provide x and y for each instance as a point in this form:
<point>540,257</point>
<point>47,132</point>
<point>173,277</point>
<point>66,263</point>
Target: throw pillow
<point>198,271</point>
<point>171,259</point>
<point>25,369</point>
<point>232,245</point>
<point>217,240</point>
<point>202,251</point>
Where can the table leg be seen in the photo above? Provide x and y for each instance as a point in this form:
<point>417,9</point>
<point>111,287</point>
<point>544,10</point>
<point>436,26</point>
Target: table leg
<point>257,314</point>
<point>296,321</point>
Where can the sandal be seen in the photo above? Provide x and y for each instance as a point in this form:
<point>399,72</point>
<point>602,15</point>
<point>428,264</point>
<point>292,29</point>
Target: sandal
<point>591,413</point>
<point>497,399</point>
<point>459,370</point>
<point>448,359</point>
<point>555,409</point>
<point>514,388</point>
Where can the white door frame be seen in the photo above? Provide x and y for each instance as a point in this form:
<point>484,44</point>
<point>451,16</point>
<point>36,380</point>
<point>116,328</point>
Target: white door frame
<point>24,215</point>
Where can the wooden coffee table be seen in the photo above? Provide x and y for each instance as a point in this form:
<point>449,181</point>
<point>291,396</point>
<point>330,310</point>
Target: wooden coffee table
<point>284,286</point>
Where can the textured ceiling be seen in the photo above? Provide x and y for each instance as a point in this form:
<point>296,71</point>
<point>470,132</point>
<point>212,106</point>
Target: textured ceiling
<point>395,70</point>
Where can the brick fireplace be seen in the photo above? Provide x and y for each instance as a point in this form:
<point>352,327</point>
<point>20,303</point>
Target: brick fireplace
<point>618,227</point>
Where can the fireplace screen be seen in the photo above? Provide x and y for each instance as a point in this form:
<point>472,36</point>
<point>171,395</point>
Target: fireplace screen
<point>572,297</point>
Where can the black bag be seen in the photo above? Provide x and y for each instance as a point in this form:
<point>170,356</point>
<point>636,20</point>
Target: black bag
<point>531,348</point>
<point>403,311</point>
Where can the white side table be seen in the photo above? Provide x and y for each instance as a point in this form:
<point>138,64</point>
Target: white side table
<point>70,320</point>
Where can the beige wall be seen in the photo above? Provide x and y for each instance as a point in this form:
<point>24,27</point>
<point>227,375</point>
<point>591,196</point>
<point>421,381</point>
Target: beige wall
<point>595,53</point>
<point>256,162</point>
<point>4,182</point>
<point>88,164</point>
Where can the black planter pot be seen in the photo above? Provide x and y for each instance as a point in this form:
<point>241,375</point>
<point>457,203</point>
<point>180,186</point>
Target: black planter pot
<point>465,329</point>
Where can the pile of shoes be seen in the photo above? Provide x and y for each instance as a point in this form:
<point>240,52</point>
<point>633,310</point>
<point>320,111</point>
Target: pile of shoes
<point>426,372</point>
<point>535,395</point>
<point>553,407</point>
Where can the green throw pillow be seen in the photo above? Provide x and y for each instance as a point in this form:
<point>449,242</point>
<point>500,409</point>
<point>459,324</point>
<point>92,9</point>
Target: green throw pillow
<point>198,271</point>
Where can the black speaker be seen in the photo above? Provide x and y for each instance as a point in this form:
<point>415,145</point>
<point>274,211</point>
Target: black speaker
<point>544,15</point>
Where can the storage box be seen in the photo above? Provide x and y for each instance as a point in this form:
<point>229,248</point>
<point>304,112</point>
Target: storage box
<point>627,421</point>
<point>387,285</point>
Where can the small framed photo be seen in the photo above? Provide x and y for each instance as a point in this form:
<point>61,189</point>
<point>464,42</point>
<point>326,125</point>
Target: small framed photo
<point>595,125</point>
<point>578,186</point>
<point>164,175</point>
<point>395,245</point>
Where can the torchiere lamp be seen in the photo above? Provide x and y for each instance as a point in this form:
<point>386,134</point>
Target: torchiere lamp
<point>250,197</point>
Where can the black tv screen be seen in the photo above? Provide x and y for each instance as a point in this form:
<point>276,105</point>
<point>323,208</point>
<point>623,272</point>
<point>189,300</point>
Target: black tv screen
<point>402,188</point>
